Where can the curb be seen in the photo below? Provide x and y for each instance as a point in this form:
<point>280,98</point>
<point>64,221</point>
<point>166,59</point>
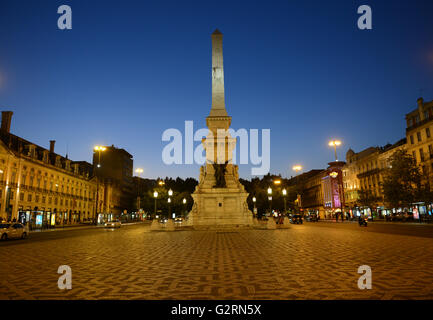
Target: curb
<point>80,228</point>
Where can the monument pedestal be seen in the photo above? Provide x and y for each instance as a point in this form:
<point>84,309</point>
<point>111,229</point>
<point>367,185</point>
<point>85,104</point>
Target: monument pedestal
<point>220,206</point>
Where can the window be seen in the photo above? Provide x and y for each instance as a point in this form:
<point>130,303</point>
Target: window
<point>421,155</point>
<point>427,132</point>
<point>418,135</point>
<point>22,196</point>
<point>411,139</point>
<point>29,197</point>
<point>430,150</point>
<point>414,155</point>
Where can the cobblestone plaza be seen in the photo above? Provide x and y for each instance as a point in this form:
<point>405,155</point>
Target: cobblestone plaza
<point>310,261</point>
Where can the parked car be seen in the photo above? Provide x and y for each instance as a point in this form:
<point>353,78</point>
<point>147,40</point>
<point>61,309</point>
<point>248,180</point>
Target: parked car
<point>113,224</point>
<point>14,230</point>
<point>312,218</point>
<point>296,219</point>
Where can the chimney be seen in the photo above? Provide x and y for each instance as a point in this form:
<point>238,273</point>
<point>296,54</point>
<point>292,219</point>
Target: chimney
<point>6,121</point>
<point>420,103</point>
<point>52,142</point>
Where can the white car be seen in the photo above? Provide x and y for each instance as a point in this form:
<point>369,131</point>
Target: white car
<point>14,230</point>
<point>113,224</point>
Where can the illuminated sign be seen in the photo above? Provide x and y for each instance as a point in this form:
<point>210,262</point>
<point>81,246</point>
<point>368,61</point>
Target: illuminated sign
<point>39,220</point>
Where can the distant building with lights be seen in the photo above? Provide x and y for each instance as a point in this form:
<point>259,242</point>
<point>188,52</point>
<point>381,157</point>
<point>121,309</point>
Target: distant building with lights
<point>40,186</point>
<point>365,171</point>
<point>46,189</point>
<point>114,167</point>
<point>419,132</point>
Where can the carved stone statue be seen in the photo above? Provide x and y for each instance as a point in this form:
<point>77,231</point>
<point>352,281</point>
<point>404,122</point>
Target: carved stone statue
<point>220,170</point>
<point>202,174</point>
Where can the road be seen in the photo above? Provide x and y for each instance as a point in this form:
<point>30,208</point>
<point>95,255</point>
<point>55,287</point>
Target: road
<point>309,261</point>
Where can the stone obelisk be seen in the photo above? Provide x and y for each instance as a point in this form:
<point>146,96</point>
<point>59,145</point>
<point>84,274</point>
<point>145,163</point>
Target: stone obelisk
<point>219,198</point>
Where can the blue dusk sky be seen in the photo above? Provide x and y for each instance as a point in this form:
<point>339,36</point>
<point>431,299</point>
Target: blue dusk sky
<point>128,70</point>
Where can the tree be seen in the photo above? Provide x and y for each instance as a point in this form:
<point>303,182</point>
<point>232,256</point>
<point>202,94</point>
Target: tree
<point>366,198</point>
<point>402,180</point>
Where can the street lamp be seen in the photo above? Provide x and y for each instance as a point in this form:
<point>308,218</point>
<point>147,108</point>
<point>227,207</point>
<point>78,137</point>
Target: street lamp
<point>155,195</point>
<point>270,200</point>
<point>297,168</point>
<point>335,144</point>
<point>139,171</point>
<point>284,197</point>
<point>184,206</point>
<point>254,203</point>
<point>98,149</point>
<point>170,193</point>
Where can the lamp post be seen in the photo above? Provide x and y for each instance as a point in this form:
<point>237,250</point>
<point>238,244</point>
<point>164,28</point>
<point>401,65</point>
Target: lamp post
<point>284,197</point>
<point>155,195</point>
<point>170,193</point>
<point>98,149</point>
<point>335,144</point>
<point>270,200</point>
<point>254,203</point>
<point>169,208</point>
<point>184,206</point>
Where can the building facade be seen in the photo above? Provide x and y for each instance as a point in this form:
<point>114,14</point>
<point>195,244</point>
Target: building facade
<point>364,173</point>
<point>113,167</point>
<point>419,130</point>
<point>39,186</point>
<point>310,186</point>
